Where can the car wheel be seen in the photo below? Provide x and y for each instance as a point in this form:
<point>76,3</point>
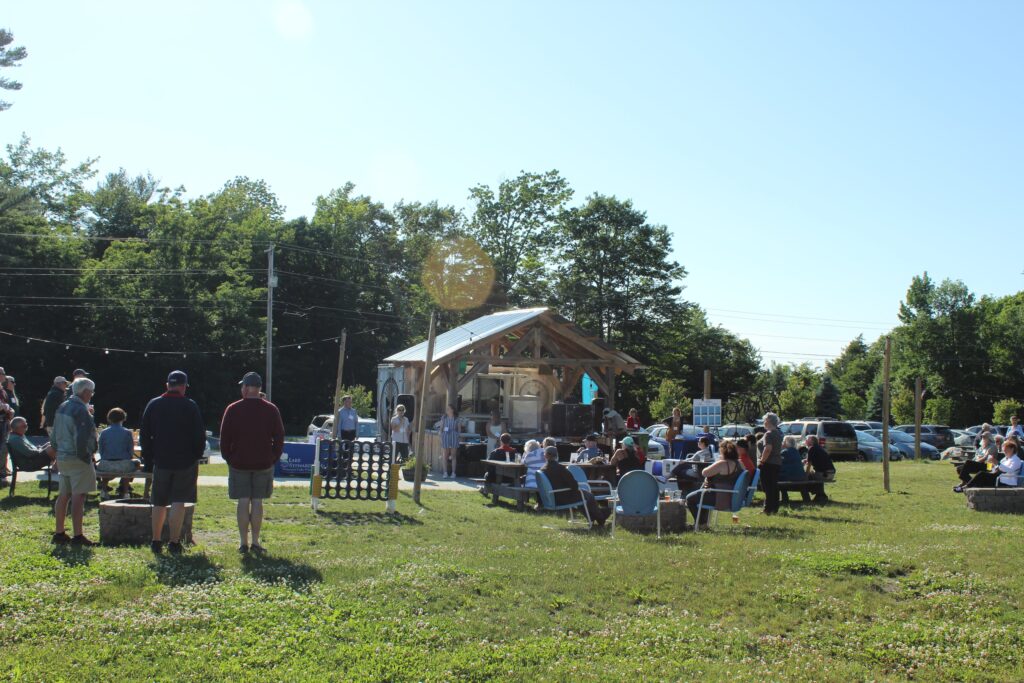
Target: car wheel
<point>861,457</point>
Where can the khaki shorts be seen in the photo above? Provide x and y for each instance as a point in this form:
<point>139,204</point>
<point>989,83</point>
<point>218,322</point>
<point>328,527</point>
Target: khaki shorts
<point>257,484</point>
<point>117,466</point>
<point>76,477</point>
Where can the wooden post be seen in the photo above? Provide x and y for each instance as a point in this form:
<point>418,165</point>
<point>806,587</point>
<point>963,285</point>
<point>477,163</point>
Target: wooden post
<point>337,381</point>
<point>918,398</point>
<point>885,414</point>
<point>421,415</point>
<point>707,384</point>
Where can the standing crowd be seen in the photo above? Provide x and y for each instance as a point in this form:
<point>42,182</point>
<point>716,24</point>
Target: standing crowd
<point>171,442</point>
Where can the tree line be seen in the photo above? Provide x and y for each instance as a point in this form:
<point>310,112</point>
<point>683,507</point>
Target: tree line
<point>133,270</point>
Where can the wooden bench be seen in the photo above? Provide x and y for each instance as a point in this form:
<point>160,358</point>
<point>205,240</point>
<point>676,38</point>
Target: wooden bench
<point>138,474</point>
<point>803,487</point>
<point>520,494</point>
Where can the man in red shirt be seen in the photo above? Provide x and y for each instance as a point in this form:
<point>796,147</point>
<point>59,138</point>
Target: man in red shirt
<point>251,441</point>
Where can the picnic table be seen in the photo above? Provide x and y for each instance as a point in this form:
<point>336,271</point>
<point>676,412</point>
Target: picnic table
<point>506,479</point>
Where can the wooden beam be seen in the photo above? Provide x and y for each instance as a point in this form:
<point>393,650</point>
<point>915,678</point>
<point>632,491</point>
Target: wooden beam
<point>557,362</point>
<point>569,378</point>
<point>524,341</point>
<point>611,388</point>
<point>550,344</point>
<point>598,378</point>
<point>566,330</point>
<point>473,372</point>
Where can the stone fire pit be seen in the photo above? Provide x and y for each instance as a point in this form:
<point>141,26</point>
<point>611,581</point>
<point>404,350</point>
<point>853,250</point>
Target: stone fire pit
<point>128,521</point>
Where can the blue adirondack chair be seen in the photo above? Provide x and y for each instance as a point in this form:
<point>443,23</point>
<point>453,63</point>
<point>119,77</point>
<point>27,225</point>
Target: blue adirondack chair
<point>740,491</point>
<point>547,498</point>
<point>752,489</point>
<point>637,494</point>
<point>601,490</point>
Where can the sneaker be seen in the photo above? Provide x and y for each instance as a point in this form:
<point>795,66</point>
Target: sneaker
<point>958,489</point>
<point>174,548</point>
<point>156,546</point>
<point>258,549</point>
<point>243,549</point>
<point>60,539</point>
<point>82,542</point>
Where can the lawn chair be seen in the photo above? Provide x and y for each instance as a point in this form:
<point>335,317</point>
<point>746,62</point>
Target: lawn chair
<point>752,489</point>
<point>599,488</point>
<point>740,493</point>
<point>636,495</point>
<point>20,464</point>
<point>547,499</point>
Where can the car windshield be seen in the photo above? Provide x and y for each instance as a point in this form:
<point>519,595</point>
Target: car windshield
<point>367,430</point>
<point>867,438</point>
<point>901,437</point>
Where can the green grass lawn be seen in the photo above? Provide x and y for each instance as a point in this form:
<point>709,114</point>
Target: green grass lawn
<point>908,585</point>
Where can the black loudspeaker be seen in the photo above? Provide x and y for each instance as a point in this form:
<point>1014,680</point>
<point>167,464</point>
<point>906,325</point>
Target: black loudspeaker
<point>409,401</point>
<point>598,405</point>
<point>579,419</point>
<point>558,421</point>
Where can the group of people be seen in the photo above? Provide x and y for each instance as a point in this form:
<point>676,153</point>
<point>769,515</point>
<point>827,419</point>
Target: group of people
<point>996,460</point>
<point>172,441</point>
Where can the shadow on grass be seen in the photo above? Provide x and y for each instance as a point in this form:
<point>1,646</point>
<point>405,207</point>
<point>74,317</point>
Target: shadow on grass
<point>367,518</point>
<point>828,519</point>
<point>408,494</point>
<point>16,501</point>
<point>832,503</point>
<point>185,570</point>
<point>770,532</point>
<point>269,569</point>
<point>72,556</point>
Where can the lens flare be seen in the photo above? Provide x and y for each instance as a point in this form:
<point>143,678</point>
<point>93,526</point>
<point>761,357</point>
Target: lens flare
<point>458,274</point>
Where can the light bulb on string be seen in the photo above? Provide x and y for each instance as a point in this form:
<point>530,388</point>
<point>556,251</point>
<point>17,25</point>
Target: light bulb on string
<point>300,346</point>
<point>67,347</point>
<point>106,352</point>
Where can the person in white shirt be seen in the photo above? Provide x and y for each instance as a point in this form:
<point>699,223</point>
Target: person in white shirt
<point>401,432</point>
<point>1004,473</point>
<point>533,458</point>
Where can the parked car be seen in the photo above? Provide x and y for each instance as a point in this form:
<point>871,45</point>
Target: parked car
<point>838,438</point>
<point>939,436</point>
<point>688,436</point>
<point>366,430</point>
<point>963,438</point>
<point>316,423</point>
<point>870,448</point>
<point>976,429</point>
<point>732,431</point>
<point>905,443</point>
<point>864,425</point>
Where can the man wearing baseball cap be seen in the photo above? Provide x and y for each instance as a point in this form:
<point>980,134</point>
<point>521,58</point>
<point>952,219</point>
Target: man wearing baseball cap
<point>79,373</point>
<point>173,439</point>
<point>251,441</point>
<point>54,397</point>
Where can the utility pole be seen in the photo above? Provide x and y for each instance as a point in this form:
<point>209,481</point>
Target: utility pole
<point>271,283</point>
<point>421,415</point>
<point>885,414</point>
<point>707,384</point>
<point>337,381</point>
<point>918,399</point>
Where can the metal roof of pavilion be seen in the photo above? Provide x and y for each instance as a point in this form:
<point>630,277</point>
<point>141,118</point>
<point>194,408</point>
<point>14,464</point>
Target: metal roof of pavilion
<point>465,335</point>
<point>449,345</point>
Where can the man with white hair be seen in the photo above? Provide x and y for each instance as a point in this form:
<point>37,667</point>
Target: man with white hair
<point>769,460</point>
<point>74,438</point>
<point>54,397</point>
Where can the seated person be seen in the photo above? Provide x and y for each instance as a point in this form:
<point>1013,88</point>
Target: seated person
<point>720,475</point>
<point>688,475</point>
<point>117,451</point>
<point>533,458</point>
<point>819,468</point>
<point>505,451</point>
<point>792,468</point>
<point>561,478</point>
<point>985,455</point>
<point>627,458</point>
<point>1004,473</point>
<point>589,450</point>
<point>24,454</point>
<point>743,450</point>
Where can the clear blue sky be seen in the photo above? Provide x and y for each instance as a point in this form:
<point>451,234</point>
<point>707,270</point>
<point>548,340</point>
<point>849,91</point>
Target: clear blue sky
<point>809,157</point>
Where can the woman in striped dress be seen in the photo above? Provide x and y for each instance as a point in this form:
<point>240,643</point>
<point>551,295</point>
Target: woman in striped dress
<point>449,427</point>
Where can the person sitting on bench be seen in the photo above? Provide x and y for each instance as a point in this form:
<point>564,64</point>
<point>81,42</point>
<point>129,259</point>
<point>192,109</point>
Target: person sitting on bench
<point>117,450</point>
<point>1004,473</point>
<point>819,467</point>
<point>25,455</point>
